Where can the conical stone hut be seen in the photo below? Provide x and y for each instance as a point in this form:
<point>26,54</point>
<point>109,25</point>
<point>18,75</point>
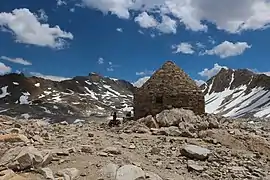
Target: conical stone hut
<point>169,87</point>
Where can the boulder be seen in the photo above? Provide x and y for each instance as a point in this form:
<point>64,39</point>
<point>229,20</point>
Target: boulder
<point>47,173</point>
<point>13,137</point>
<point>149,121</point>
<point>173,117</point>
<point>108,172</point>
<point>129,172</point>
<point>195,152</point>
<point>69,173</point>
<point>29,157</point>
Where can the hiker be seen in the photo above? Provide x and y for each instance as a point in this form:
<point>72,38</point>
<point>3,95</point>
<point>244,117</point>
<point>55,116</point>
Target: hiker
<point>114,116</point>
<point>114,121</point>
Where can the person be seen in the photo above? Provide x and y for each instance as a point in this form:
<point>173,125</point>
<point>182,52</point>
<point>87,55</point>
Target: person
<point>114,121</point>
<point>114,116</point>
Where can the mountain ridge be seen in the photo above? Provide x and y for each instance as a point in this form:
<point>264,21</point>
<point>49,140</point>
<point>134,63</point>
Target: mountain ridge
<point>238,93</point>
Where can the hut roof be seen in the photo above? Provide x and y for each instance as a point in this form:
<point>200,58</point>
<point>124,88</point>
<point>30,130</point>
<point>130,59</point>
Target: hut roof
<point>170,76</point>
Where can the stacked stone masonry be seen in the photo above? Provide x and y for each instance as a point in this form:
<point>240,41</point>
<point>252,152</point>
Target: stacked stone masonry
<point>169,87</point>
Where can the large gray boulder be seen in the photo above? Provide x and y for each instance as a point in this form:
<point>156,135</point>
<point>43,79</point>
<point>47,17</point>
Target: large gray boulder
<point>195,152</point>
<point>174,116</point>
<point>129,172</point>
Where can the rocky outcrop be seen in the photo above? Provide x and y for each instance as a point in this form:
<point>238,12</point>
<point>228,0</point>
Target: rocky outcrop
<point>169,87</point>
<point>205,147</point>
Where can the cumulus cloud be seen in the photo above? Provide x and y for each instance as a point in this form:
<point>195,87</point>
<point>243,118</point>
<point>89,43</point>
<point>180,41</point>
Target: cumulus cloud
<point>4,69</point>
<point>42,15</point>
<point>195,14</point>
<point>208,73</point>
<point>28,30</point>
<point>100,60</point>
<point>50,77</point>
<point>145,72</point>
<point>61,2</point>
<point>141,81</point>
<point>119,29</point>
<point>117,7</point>
<point>228,49</point>
<point>145,20</point>
<point>16,60</point>
<point>167,25</point>
<point>184,48</point>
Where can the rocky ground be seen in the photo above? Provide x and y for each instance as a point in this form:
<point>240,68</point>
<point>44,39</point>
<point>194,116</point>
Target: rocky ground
<point>174,145</point>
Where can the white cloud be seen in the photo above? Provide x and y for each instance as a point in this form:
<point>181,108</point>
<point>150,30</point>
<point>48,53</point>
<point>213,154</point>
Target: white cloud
<point>119,29</point>
<point>145,72</point>
<point>100,60</point>
<point>27,29</point>
<point>208,73</point>
<point>72,9</point>
<point>167,25</point>
<point>228,49</point>
<point>152,35</point>
<point>141,81</point>
<point>145,20</point>
<point>117,7</point>
<point>199,82</point>
<point>110,69</point>
<point>50,77</point>
<point>42,16</point>
<point>61,2</point>
<point>16,60</point>
<point>200,45</point>
<point>184,48</point>
<point>195,14</point>
<point>140,31</point>
<point>4,69</point>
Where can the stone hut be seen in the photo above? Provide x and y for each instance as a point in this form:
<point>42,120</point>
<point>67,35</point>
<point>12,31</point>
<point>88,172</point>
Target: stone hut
<point>169,87</point>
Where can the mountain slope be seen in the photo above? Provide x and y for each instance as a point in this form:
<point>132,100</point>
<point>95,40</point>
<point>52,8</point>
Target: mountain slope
<point>238,93</point>
<point>80,96</point>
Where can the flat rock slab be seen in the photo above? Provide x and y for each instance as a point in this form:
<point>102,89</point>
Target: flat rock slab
<point>195,152</point>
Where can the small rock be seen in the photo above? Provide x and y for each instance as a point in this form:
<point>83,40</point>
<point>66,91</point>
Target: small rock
<point>195,152</point>
<point>48,157</point>
<point>112,150</point>
<point>14,131</point>
<point>203,125</point>
<point>69,173</point>
<point>47,173</point>
<point>64,123</point>
<point>62,152</point>
<point>104,154</point>
<point>193,166</point>
<point>132,146</point>
<point>129,172</point>
<point>87,149</point>
<point>155,150</point>
<point>91,135</point>
<point>38,139</point>
<point>16,125</point>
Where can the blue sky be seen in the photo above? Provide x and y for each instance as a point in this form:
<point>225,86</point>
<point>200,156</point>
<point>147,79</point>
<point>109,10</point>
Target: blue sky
<point>129,39</point>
